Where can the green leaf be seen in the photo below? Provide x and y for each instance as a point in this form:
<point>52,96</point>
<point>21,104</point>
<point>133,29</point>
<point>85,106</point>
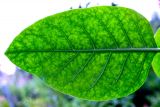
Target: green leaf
<point>98,53</point>
<point>156,62</point>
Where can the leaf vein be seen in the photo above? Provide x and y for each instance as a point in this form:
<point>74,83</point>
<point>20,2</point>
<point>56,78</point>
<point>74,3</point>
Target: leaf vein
<point>122,69</point>
<point>83,67</point>
<point>101,72</point>
<point>124,30</point>
<point>105,28</point>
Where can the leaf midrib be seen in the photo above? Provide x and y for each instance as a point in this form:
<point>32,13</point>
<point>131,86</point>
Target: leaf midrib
<point>91,50</point>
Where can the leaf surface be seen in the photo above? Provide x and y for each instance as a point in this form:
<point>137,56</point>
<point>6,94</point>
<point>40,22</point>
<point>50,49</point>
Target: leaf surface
<point>156,62</point>
<point>97,53</point>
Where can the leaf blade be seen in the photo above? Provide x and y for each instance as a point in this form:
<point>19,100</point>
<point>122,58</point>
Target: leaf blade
<point>92,36</point>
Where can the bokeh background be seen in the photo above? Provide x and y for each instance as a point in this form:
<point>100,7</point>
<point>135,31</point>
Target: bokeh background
<point>20,89</point>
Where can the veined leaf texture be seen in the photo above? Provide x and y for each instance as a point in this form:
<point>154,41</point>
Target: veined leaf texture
<point>97,53</point>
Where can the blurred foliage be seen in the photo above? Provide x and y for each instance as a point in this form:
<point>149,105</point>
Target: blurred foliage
<point>155,22</point>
